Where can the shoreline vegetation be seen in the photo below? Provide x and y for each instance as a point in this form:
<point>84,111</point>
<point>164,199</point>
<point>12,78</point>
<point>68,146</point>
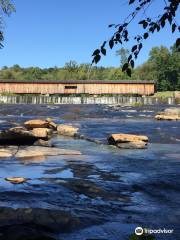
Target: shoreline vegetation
<point>163,65</point>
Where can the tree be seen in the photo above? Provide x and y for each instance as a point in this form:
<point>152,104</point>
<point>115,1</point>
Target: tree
<point>150,25</point>
<point>6,8</point>
<point>71,67</point>
<point>123,53</point>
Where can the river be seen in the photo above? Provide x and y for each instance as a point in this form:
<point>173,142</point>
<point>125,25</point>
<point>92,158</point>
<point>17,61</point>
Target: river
<point>109,191</point>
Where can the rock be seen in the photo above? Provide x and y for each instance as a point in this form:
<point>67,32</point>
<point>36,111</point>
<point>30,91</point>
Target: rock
<point>43,143</point>
<point>123,138</point>
<point>36,123</point>
<point>172,111</point>
<point>51,123</point>
<point>42,133</point>
<point>17,136</point>
<point>89,139</point>
<point>132,145</point>
<point>42,219</point>
<point>16,180</point>
<point>67,130</point>
<point>37,151</point>
<point>167,117</point>
<point>5,153</point>
<point>23,232</point>
<point>128,141</point>
<point>92,190</point>
<point>21,136</point>
<point>169,114</point>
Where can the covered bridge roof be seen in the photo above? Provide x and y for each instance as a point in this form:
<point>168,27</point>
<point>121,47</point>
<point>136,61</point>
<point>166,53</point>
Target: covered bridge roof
<point>78,81</point>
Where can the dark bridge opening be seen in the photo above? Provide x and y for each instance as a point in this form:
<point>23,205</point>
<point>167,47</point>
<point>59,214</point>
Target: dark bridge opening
<point>70,87</point>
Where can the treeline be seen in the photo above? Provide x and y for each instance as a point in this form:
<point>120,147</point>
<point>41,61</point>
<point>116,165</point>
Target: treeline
<point>163,65</point>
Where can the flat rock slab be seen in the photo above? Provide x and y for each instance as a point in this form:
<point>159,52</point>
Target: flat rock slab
<point>169,114</point>
<point>167,117</point>
<point>35,151</point>
<point>36,123</point>
<point>54,220</point>
<point>122,138</point>
<point>132,145</point>
<point>128,141</point>
<point>67,130</point>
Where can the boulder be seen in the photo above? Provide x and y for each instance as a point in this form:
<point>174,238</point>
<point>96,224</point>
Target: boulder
<point>38,151</point>
<point>36,123</point>
<point>21,136</point>
<point>128,141</point>
<point>17,136</point>
<point>132,145</point>
<point>42,133</point>
<point>51,124</point>
<point>67,130</point>
<point>41,142</point>
<point>5,153</point>
<point>169,114</point>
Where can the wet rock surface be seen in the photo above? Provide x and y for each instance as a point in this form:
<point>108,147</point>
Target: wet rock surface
<point>169,114</point>
<point>106,192</point>
<point>128,141</point>
<point>67,130</point>
<point>34,151</point>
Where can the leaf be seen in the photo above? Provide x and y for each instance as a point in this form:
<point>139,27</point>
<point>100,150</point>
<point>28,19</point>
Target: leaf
<point>129,58</point>
<point>103,51</point>
<point>145,24</point>
<point>170,18</point>
<point>125,66</point>
<point>118,36</point>
<point>103,45</point>
<point>163,23</point>
<point>111,43</point>
<point>134,48</point>
<point>131,1</point>
<point>120,28</point>
<point>97,59</point>
<point>128,71</point>
<point>111,25</point>
<point>132,63</point>
<point>146,35</point>
<point>178,43</point>
<point>125,24</point>
<point>173,27</point>
<point>96,52</point>
<point>141,22</point>
<point>140,46</point>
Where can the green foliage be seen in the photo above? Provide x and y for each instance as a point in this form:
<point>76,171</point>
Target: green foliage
<point>166,14</point>
<point>6,8</point>
<point>163,65</point>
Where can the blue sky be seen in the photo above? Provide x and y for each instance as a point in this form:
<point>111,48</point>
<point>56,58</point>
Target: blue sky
<point>49,33</point>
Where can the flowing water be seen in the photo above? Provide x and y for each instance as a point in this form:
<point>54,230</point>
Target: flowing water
<point>110,191</point>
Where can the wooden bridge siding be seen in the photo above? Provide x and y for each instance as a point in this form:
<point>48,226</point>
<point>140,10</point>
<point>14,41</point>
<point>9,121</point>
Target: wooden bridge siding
<point>93,88</point>
<point>142,89</point>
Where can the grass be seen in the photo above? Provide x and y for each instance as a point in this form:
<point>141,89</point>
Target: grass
<point>165,94</point>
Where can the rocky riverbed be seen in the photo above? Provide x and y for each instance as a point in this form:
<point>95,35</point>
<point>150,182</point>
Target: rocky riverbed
<point>102,193</point>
